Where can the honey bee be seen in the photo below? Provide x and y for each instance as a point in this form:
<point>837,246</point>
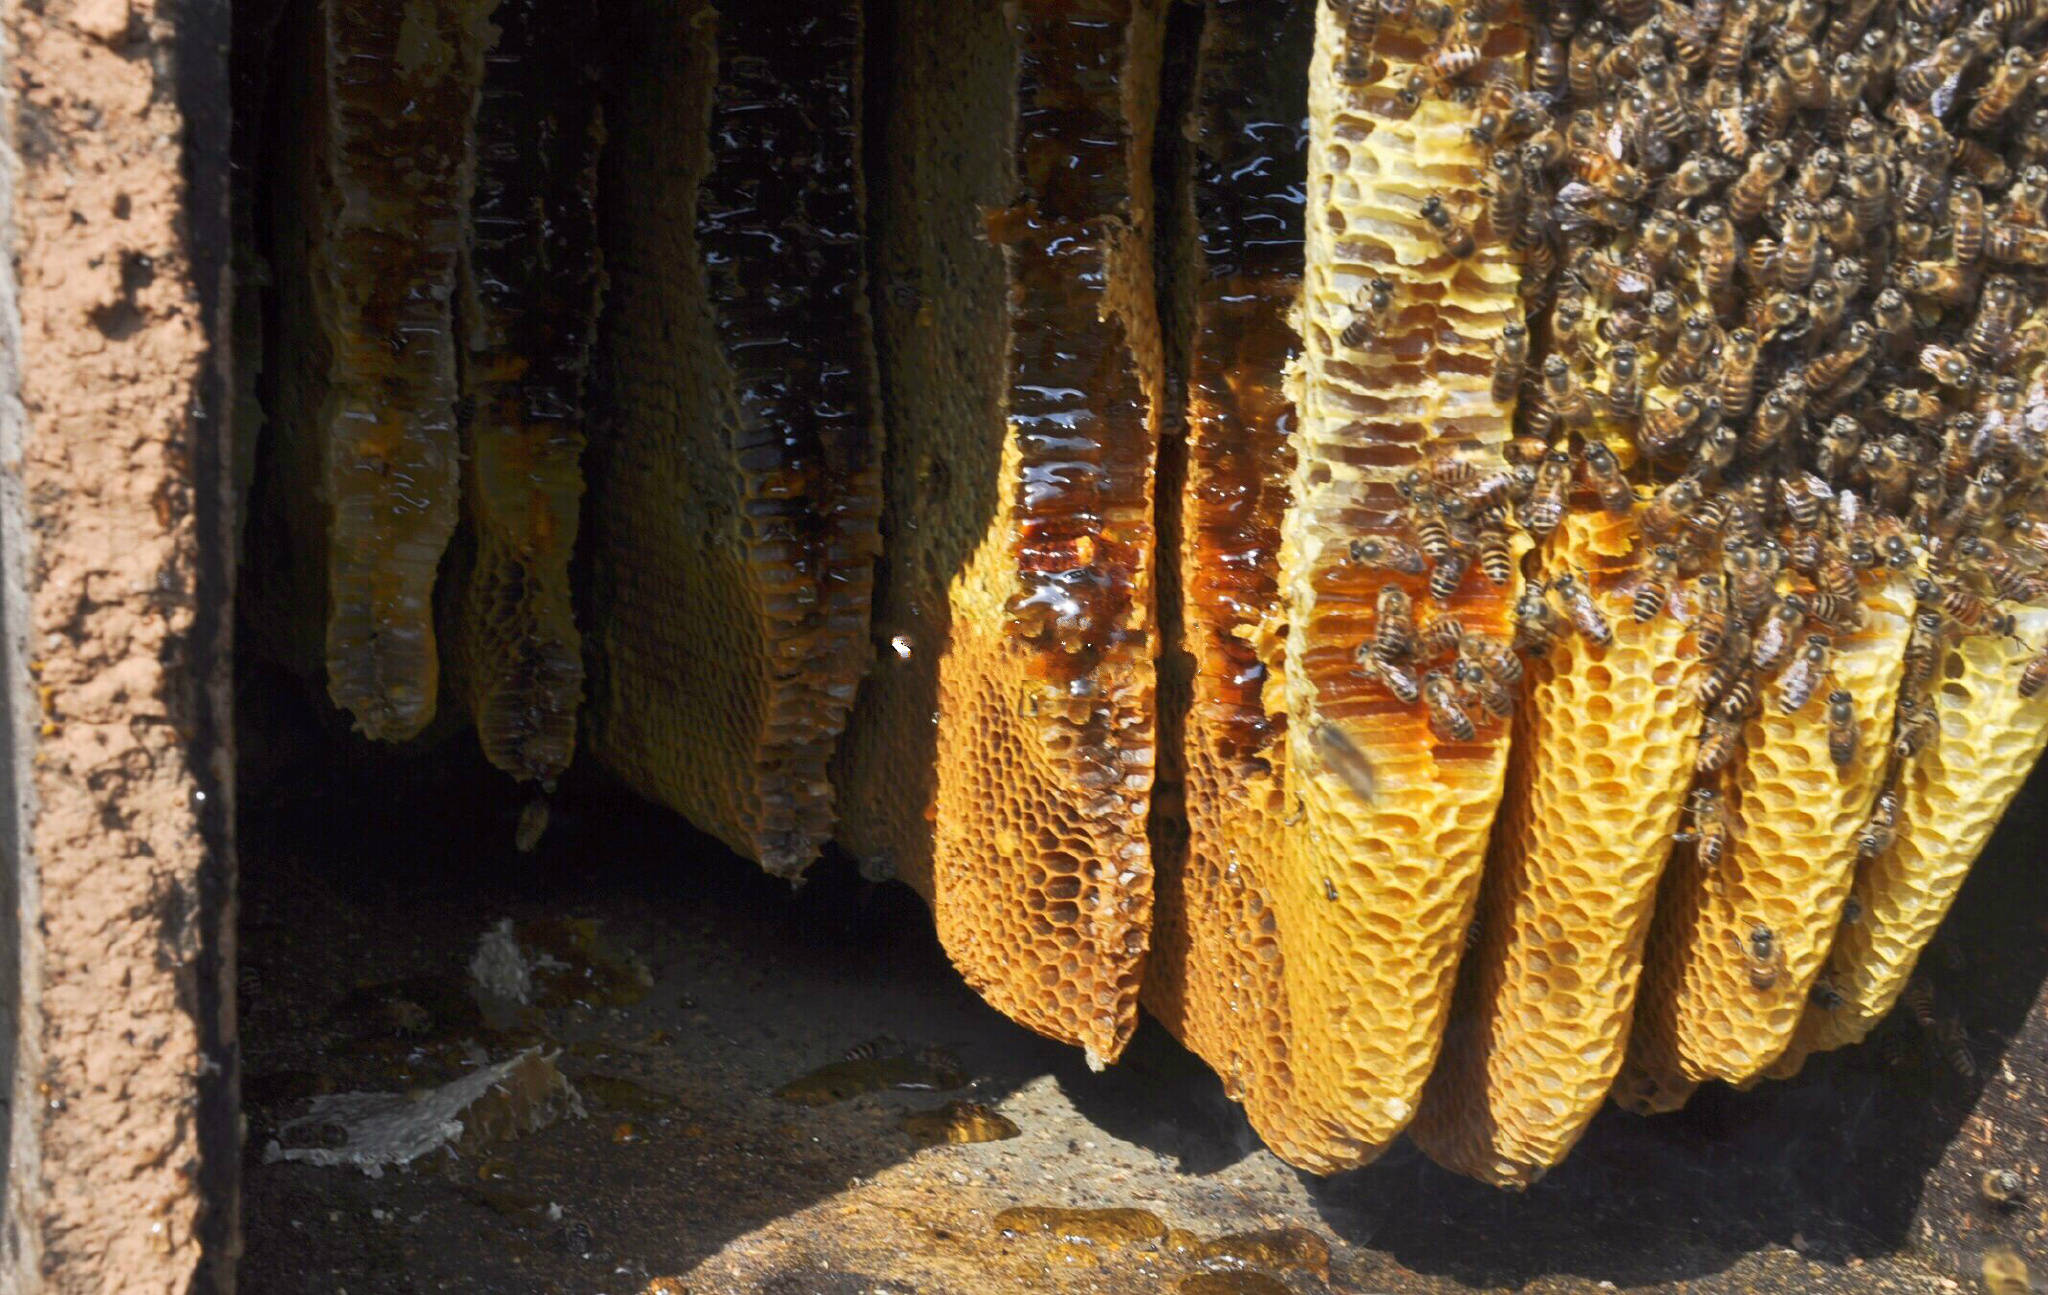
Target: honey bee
<point>1917,725</point>
<point>1774,636</point>
<point>1584,614</point>
<point>1911,405</point>
<point>1752,584</point>
<point>1830,367</point>
<point>1892,318</point>
<point>1720,739</point>
<point>1962,607</point>
<point>1842,732</point>
<point>1712,834</point>
<point>1537,624</point>
<point>1492,655</point>
<point>1837,446</point>
<point>1731,45</point>
<point>1583,56</point>
<point>1763,957</point>
<point>1369,308</point>
<point>1549,66</point>
<point>1393,637</point>
<point>1653,589</point>
<point>1943,282</point>
<point>1361,24</point>
<point>1666,427</point>
<point>2016,244</point>
<point>1495,555</point>
<point>1718,250</point>
<point>1444,637</point>
<point>1997,312</point>
<point>2001,90</point>
<point>1695,337</point>
<point>1394,676</point>
<point>1617,497</point>
<point>1966,223</point>
<point>1343,757</point>
<point>1453,233</point>
<point>1426,518</point>
<point>1868,185</point>
<point>2008,578</point>
<point>1669,507</point>
<point>1507,195</point>
<point>1448,718</point>
<point>1824,306</point>
<point>1882,827</point>
<point>1949,367</point>
<point>2002,1188</point>
<point>1494,697</point>
<point>2025,202</point>
<point>1510,360</point>
<point>1542,512</point>
<point>1752,192</point>
<point>1449,572</point>
<point>1456,56</point>
<point>1387,554</point>
<point>1803,677</point>
<point>2034,675</point>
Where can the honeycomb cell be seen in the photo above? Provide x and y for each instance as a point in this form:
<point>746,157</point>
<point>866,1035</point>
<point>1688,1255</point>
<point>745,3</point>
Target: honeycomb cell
<point>1950,798</point>
<point>1381,867</point>
<point>1208,979</point>
<point>736,491</point>
<point>1736,949</point>
<point>1013,701</point>
<point>1529,1055</point>
<point>369,227</point>
<point>527,307</point>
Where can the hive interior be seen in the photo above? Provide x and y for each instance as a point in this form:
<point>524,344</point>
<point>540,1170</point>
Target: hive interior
<point>864,331</point>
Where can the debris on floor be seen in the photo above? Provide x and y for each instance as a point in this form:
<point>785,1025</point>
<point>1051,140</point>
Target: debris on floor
<point>371,1131</point>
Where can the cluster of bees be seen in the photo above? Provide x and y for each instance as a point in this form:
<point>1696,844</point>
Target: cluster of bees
<point>1784,262</point>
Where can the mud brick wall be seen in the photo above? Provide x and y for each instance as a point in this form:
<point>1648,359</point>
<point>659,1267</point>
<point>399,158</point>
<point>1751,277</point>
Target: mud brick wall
<point>115,970</point>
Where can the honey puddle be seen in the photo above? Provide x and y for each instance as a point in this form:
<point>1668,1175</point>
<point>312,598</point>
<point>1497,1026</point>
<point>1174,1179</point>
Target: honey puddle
<point>1106,1227</point>
<point>1230,1283</point>
<point>959,1122</point>
<point>931,1069</point>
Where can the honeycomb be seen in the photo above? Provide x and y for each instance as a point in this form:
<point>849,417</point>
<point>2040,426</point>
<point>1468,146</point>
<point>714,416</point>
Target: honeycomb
<point>1713,1006</point>
<point>1381,863</point>
<point>1603,755</point>
<point>527,306</point>
<point>1022,623</point>
<point>1950,797</point>
<point>731,566</point>
<point>370,229</point>
<point>1213,977</point>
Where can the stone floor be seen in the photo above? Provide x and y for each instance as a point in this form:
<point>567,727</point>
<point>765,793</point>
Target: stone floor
<point>691,1173</point>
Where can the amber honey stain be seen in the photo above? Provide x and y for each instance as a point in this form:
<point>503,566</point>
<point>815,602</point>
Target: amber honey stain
<point>1230,1283</point>
<point>959,1123</point>
<point>621,1094</point>
<point>1274,1249</point>
<point>1118,1226</point>
<point>579,966</point>
<point>839,1081</point>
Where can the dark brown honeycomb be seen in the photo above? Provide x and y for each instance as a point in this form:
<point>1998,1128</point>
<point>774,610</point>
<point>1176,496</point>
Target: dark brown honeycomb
<point>1214,976</point>
<point>527,309</point>
<point>732,561</point>
<point>1016,614</point>
<point>369,232</point>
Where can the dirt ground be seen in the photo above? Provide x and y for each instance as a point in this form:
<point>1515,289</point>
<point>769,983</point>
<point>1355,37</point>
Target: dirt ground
<point>368,886</point>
